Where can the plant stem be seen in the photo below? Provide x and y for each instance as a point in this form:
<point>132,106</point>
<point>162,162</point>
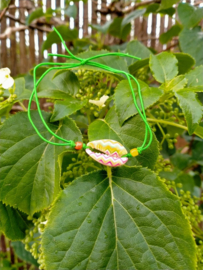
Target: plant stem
<point>167,123</point>
<point>22,105</point>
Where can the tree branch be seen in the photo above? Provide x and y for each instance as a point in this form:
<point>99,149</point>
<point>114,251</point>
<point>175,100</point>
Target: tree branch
<point>32,26</point>
<point>117,8</point>
<point>9,30</point>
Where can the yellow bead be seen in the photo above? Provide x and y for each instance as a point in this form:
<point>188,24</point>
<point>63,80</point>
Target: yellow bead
<point>134,152</point>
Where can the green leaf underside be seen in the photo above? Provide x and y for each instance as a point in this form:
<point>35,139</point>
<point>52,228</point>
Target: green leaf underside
<point>189,15</point>
<point>138,49</point>
<point>23,254</point>
<point>66,107</point>
<point>59,86</point>
<point>195,77</point>
<point>124,103</point>
<point>124,221</point>
<point>130,135</point>
<point>163,66</point>
<point>186,39</point>
<point>191,107</point>
<point>185,62</point>
<point>66,33</point>
<point>12,222</point>
<point>29,169</point>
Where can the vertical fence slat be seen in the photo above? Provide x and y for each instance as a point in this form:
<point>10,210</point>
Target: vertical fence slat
<point>13,48</point>
<point>162,27</point>
<point>23,56</point>
<point>94,15</point>
<point>40,37</point>
<point>59,48</point>
<point>85,19</point>
<point>144,33</point>
<point>4,49</point>
<point>153,32</point>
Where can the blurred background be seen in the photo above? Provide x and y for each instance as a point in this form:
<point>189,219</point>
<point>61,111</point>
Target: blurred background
<point>25,25</point>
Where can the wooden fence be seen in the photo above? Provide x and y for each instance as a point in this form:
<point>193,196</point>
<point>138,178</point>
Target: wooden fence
<point>22,49</point>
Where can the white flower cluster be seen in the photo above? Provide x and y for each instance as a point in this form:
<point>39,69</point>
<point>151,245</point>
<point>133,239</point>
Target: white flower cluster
<point>6,81</point>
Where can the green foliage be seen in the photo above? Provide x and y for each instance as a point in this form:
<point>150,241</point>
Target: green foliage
<point>83,215</point>
<point>191,107</point>
<point>71,11</point>
<point>12,222</point>
<point>66,33</point>
<point>187,45</point>
<point>113,214</point>
<point>37,13</point>
<point>168,3</point>
<point>123,95</point>
<point>111,129</point>
<point>30,178</point>
<point>172,32</point>
<point>189,15</point>
<point>23,254</point>
<point>161,71</point>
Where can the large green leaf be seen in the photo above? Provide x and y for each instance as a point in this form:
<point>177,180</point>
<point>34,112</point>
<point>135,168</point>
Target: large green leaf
<point>131,135</point>
<point>63,108</point>
<point>29,168</point>
<point>185,62</point>
<point>59,86</point>
<point>172,32</point>
<point>195,77</point>
<point>124,103</point>
<point>124,220</point>
<point>189,15</point>
<point>191,107</point>
<point>138,49</point>
<point>187,45</point>
<point>13,223</point>
<point>163,66</point>
<point>66,33</point>
<point>23,254</point>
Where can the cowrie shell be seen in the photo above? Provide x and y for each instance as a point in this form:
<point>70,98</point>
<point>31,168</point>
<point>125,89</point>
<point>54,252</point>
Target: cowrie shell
<point>113,152</point>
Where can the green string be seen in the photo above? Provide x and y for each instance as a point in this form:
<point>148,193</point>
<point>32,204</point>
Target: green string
<point>88,62</point>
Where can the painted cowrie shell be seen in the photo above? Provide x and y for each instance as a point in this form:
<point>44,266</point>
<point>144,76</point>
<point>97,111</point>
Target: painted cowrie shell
<point>113,152</point>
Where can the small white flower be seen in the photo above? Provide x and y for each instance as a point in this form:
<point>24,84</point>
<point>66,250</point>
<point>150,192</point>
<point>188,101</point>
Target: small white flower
<point>100,102</point>
<point>6,81</point>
